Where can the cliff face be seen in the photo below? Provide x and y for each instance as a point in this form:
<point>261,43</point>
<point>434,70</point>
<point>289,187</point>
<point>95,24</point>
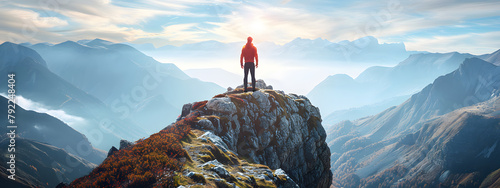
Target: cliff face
<point>259,139</point>
<point>271,128</point>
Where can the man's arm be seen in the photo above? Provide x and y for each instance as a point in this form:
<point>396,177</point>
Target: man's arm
<point>241,58</point>
<point>256,59</point>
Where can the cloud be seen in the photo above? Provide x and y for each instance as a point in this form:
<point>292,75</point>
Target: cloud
<point>85,19</point>
<point>180,22</point>
<point>267,23</point>
<point>28,104</point>
<point>23,24</point>
<point>419,15</point>
<point>475,43</point>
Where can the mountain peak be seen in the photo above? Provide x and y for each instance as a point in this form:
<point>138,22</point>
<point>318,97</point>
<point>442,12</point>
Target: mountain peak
<point>8,44</point>
<point>475,64</point>
<point>271,128</point>
<point>494,58</point>
<point>251,139</point>
<point>69,44</point>
<point>11,53</point>
<point>99,42</point>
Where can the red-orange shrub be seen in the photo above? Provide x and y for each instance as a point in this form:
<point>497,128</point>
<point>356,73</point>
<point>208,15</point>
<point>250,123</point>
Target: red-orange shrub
<point>145,163</point>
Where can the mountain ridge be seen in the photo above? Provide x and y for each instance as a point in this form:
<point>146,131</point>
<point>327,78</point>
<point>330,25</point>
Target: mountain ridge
<point>124,78</point>
<point>392,143</point>
<point>44,128</point>
<point>220,144</point>
<point>42,165</point>
<point>377,84</point>
<point>42,86</point>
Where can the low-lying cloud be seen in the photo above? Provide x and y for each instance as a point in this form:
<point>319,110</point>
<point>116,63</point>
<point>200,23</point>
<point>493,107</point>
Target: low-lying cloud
<point>28,104</point>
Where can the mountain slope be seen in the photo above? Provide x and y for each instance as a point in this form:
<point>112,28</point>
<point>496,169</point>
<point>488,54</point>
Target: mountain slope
<point>363,111</point>
<point>374,148</point>
<point>459,147</point>
<point>43,165</point>
<point>35,82</point>
<point>377,84</point>
<point>259,139</point>
<point>492,58</point>
<point>125,79</point>
<point>10,52</point>
<point>47,129</point>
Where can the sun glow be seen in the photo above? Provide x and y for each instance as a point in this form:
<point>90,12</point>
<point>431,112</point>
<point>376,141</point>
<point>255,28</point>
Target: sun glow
<point>258,27</point>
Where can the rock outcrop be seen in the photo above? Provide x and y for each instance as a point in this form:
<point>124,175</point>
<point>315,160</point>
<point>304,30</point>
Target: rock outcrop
<point>125,144</point>
<point>258,84</point>
<point>255,139</point>
<point>282,131</point>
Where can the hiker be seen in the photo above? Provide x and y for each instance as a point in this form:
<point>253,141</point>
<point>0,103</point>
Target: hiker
<point>249,52</point>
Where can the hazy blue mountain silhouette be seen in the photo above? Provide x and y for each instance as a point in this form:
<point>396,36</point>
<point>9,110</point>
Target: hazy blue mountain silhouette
<point>377,84</point>
<point>126,80</point>
<point>11,53</point>
<point>400,134</point>
<point>313,51</point>
<point>492,58</point>
<point>35,82</point>
<point>45,128</point>
<point>42,165</point>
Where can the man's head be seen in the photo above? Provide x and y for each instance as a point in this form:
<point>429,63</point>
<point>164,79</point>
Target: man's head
<point>249,40</point>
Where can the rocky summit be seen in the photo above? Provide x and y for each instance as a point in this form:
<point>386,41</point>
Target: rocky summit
<point>263,138</point>
<point>282,131</point>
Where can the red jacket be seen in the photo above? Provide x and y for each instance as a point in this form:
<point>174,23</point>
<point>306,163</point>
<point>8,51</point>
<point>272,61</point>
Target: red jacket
<point>249,52</point>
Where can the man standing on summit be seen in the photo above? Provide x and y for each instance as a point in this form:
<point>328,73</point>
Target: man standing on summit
<point>249,52</point>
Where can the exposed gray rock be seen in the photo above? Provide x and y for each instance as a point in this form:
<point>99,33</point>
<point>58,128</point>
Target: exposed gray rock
<point>125,144</point>
<point>216,140</point>
<point>212,162</point>
<point>221,171</point>
<point>206,124</point>
<point>190,174</point>
<point>258,84</point>
<point>112,151</point>
<point>222,105</point>
<point>274,129</point>
<point>186,109</point>
<point>262,100</point>
<point>288,183</point>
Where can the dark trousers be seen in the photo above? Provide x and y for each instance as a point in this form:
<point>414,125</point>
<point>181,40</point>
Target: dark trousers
<point>249,66</point>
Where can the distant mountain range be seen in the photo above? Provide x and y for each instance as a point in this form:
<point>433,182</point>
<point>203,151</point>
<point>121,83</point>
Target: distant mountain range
<point>41,165</point>
<point>48,151</point>
<point>301,60</point>
<point>377,84</point>
<point>492,58</point>
<point>48,129</point>
<point>136,87</point>
<point>362,50</point>
<point>438,136</point>
<point>341,97</point>
<point>37,83</point>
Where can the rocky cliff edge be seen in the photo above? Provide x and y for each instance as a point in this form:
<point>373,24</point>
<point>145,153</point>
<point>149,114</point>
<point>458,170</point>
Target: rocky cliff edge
<point>282,131</point>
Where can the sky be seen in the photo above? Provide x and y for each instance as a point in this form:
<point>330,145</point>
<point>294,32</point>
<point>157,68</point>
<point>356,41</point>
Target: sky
<point>470,26</point>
